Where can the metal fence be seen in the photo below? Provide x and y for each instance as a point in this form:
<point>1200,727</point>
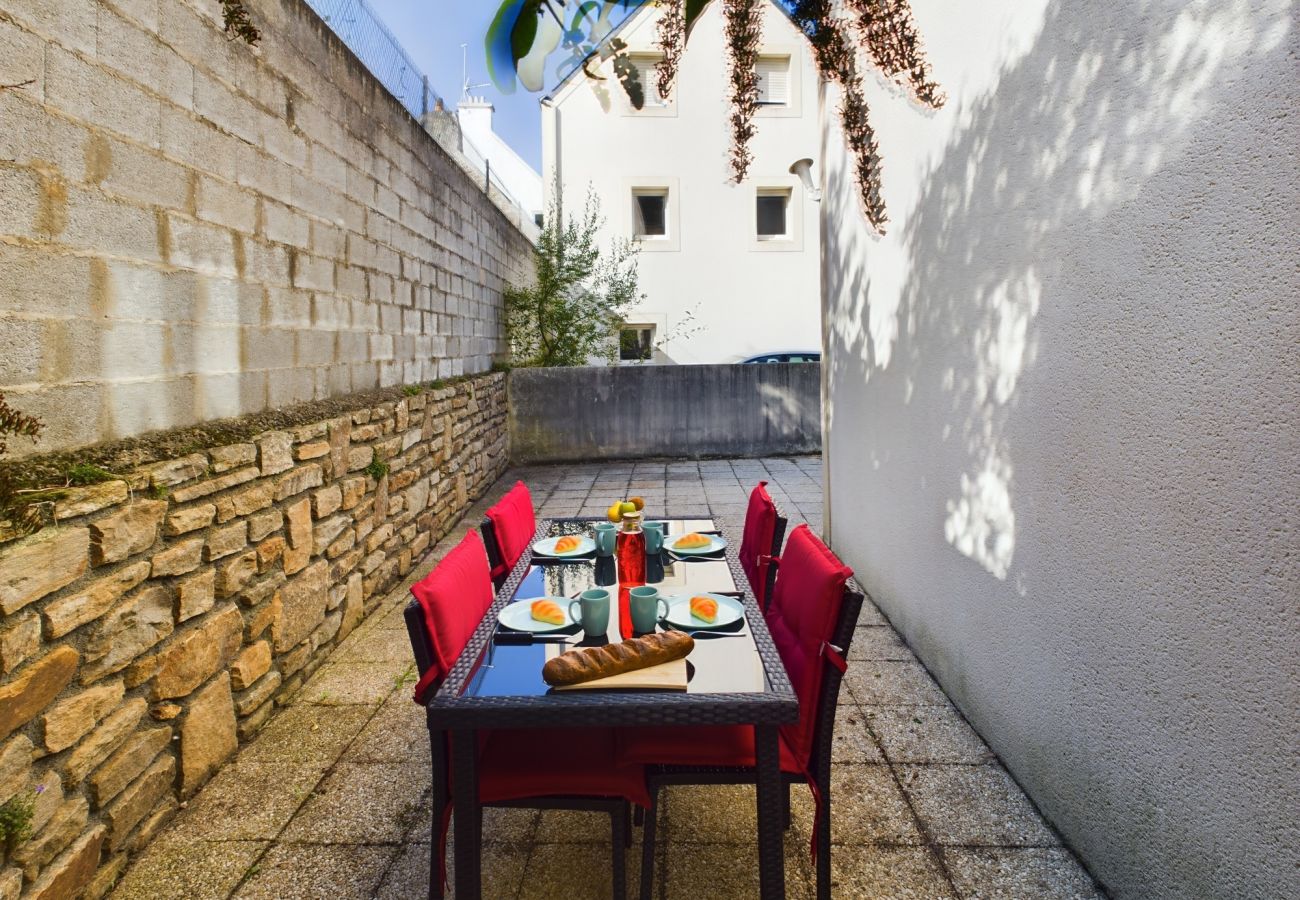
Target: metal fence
<point>369,38</point>
<point>365,34</point>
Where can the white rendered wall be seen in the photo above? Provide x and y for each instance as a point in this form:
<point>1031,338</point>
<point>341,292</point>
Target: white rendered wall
<point>1064,446</point>
<point>745,297</point>
<point>520,180</point>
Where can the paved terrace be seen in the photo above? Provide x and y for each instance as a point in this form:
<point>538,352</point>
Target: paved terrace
<point>331,798</point>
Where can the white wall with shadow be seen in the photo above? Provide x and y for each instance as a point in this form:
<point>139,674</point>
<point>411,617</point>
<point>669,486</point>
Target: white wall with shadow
<point>1064,418</point>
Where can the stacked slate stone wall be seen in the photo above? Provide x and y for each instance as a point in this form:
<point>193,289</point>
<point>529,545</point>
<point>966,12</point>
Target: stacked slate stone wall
<point>157,622</point>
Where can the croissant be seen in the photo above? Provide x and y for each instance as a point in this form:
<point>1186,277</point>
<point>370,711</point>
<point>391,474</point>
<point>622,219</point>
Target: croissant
<point>692,541</point>
<point>567,543</point>
<point>705,609</point>
<point>547,611</point>
<point>591,663</point>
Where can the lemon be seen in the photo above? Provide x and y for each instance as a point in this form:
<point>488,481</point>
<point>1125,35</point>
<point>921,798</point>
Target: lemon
<point>615,512</point>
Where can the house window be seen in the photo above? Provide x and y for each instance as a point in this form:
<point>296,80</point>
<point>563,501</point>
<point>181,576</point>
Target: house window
<point>647,73</point>
<point>635,342</point>
<point>773,80</point>
<point>650,213</point>
<point>773,214</point>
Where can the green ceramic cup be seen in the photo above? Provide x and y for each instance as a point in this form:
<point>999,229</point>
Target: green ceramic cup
<point>654,536</point>
<point>593,612</point>
<point>645,603</point>
<point>605,534</point>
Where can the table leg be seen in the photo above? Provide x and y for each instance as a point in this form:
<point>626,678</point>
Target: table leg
<point>464,760</point>
<point>438,751</point>
<point>771,847</point>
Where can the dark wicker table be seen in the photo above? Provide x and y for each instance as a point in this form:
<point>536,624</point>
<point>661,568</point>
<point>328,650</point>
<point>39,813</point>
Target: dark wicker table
<point>736,681</point>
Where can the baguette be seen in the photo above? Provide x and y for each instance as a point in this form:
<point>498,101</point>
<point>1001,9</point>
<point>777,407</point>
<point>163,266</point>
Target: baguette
<point>591,663</point>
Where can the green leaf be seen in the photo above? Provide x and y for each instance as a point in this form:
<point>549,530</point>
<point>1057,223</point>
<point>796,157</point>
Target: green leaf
<point>509,39</point>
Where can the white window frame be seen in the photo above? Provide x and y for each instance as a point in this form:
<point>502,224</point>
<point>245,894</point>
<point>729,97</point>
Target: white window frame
<point>638,326</point>
<point>662,107</point>
<point>793,107</point>
<point>785,194</point>
<point>783,65</point>
<point>633,185</point>
<point>792,241</point>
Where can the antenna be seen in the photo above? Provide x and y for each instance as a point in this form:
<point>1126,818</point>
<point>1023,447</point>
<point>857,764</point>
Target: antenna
<point>465,86</point>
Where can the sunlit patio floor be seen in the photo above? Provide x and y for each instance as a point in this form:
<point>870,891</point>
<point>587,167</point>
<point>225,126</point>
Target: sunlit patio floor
<point>331,798</point>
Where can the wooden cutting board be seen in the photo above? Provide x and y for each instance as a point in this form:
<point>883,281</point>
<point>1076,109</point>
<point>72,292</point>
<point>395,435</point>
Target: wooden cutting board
<point>669,676</point>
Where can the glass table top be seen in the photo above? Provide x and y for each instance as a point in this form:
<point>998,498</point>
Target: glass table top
<point>715,665</point>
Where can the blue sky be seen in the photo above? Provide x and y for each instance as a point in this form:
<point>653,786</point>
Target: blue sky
<point>432,32</point>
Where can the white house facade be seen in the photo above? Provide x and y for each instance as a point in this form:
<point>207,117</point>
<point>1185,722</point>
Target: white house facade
<point>727,270</point>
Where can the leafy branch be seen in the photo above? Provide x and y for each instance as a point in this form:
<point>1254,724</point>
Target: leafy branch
<point>239,25</point>
<point>572,311</point>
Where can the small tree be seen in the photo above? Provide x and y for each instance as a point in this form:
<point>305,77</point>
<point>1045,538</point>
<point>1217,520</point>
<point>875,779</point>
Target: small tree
<point>573,310</point>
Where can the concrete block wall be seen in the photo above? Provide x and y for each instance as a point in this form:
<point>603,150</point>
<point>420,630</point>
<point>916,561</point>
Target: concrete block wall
<point>155,625</point>
<point>192,229</point>
<point>633,412</point>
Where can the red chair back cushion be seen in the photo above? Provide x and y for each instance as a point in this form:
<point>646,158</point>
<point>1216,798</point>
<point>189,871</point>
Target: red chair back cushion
<point>453,597</point>
<point>514,523</point>
<point>802,616</point>
<point>756,545</point>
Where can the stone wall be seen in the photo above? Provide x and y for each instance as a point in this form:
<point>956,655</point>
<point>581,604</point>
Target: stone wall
<point>154,627</point>
<point>193,229</point>
<point>633,412</point>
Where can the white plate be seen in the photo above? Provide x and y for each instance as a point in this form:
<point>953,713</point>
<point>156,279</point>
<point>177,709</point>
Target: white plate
<point>730,611</point>
<point>519,616</point>
<point>715,546</point>
<point>547,547</point>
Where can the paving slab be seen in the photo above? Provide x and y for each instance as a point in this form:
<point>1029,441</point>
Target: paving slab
<point>978,805</point>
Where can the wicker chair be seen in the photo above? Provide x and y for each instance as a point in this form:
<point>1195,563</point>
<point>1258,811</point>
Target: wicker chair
<point>617,806</point>
<point>818,770</point>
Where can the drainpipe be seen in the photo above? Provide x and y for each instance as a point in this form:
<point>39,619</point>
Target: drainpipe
<point>822,216</point>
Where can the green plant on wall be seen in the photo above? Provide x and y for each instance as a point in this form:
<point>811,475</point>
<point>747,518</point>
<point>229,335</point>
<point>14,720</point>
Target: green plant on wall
<point>572,311</point>
<point>16,815</point>
<point>14,424</point>
<point>239,25</point>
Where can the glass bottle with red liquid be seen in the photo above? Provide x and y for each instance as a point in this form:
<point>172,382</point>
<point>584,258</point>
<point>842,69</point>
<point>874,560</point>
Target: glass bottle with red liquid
<point>629,551</point>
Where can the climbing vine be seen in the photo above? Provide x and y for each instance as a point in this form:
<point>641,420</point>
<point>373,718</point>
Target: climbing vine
<point>744,33</point>
<point>885,29</point>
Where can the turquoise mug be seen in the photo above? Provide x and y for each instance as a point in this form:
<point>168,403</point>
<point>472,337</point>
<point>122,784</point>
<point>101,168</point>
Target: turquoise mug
<point>593,612</point>
<point>654,536</point>
<point>605,535</point>
<point>644,604</point>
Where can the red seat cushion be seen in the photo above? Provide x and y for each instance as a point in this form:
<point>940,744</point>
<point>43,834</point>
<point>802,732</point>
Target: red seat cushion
<point>514,523</point>
<point>722,745</point>
<point>518,764</point>
<point>453,598</point>
<point>756,545</point>
<point>802,615</point>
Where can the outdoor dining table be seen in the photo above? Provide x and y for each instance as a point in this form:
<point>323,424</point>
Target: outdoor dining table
<point>733,681</point>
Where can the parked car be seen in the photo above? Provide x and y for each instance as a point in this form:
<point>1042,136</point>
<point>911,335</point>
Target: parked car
<point>785,356</point>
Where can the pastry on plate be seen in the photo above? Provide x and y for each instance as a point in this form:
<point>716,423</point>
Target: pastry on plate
<point>547,611</point>
<point>692,541</point>
<point>567,544</point>
<point>705,609</point>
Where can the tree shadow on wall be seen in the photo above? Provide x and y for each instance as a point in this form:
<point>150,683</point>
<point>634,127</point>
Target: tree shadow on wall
<point>1047,189</point>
